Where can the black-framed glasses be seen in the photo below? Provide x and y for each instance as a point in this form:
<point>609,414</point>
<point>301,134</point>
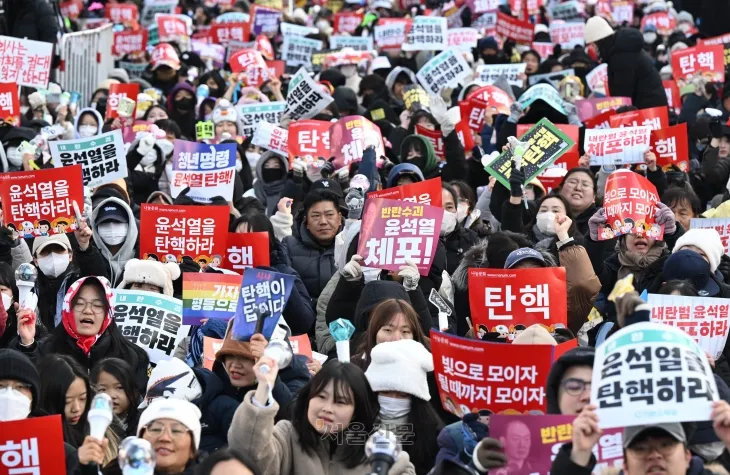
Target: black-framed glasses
<point>97,306</point>
<point>575,386</point>
<point>664,446</point>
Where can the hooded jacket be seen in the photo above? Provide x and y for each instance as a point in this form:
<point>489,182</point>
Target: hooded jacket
<point>402,169</point>
<point>581,356</point>
<point>90,110</point>
<point>269,194</point>
<point>186,120</point>
<point>393,75</point>
<point>143,183</point>
<point>216,409</point>
<point>128,249</point>
<point>430,162</point>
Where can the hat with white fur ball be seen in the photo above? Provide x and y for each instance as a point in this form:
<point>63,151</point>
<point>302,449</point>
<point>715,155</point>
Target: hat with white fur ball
<point>150,272</point>
<point>400,366</point>
<point>708,240</point>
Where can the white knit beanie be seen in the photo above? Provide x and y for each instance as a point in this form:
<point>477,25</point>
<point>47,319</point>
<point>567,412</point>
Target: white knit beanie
<point>400,366</point>
<point>138,271</point>
<point>184,412</point>
<point>706,239</point>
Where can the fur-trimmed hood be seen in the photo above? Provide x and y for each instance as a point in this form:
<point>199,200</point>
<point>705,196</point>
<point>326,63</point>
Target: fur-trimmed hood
<point>137,271</point>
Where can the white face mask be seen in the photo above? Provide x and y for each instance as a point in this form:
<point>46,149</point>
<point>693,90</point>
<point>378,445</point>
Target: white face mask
<point>649,38</point>
<point>166,146</point>
<point>239,165</point>
<point>54,264</point>
<point>253,158</point>
<point>87,131</point>
<point>14,157</point>
<point>322,25</point>
<point>348,70</point>
<point>708,452</point>
<point>14,405</point>
<point>545,222</point>
<point>113,234</point>
<point>393,407</point>
<point>149,159</point>
<point>7,301</point>
<point>448,224</point>
<point>462,210</point>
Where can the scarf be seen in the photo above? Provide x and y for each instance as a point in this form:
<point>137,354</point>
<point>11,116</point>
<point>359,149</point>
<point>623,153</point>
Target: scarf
<point>69,321</point>
<point>635,262</point>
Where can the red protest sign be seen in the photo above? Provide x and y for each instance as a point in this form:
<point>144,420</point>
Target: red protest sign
<point>704,60</point>
<point>436,139</point>
<point>245,59</point>
<point>569,159</point>
<point>263,46</point>
<point>664,22</point>
<point>670,146</point>
<point>509,297</point>
<point>349,137</point>
<point>300,345</point>
<point>116,93</point>
<point>394,231</point>
<point>33,446</point>
<point>588,108</point>
<point>9,104</point>
<point>276,68</point>
<point>655,118</point>
<point>474,374</point>
<point>465,134</point>
<point>601,121</point>
<point>427,192</point>
<point>126,42</point>
<point>309,139</point>
<point>494,97</point>
<point>544,49</point>
<point>176,231</point>
<point>222,33</point>
<point>121,12</point>
<point>40,203</point>
<point>347,22</point>
<point>247,250</point>
<point>72,10</point>
<point>672,91</point>
<point>514,28</point>
<point>630,202</point>
<point>171,27</point>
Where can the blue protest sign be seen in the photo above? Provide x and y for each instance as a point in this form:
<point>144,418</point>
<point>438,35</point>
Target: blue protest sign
<point>262,291</point>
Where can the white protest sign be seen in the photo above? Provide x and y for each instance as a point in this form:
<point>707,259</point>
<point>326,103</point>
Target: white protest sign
<point>486,24</point>
<point>597,79</point>
<point>702,318</point>
<point>647,373</point>
<point>208,170</point>
<point>566,11</point>
<point>251,114</point>
<point>568,35</point>
<point>102,158</point>
<point>617,146</point>
<point>291,29</point>
<point>488,73</point>
<point>427,34</point>
<point>445,70</point>
<point>358,43</point>
<point>25,62</point>
<point>463,39</point>
<point>271,137</point>
<point>721,225</point>
<point>297,50</point>
<point>305,98</point>
<point>391,35</point>
<point>154,7</point>
<point>482,6</point>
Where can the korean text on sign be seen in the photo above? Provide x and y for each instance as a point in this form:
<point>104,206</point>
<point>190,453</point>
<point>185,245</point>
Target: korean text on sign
<point>305,98</point>
<point>617,146</point>
<point>32,446</point>
<point>102,157</point>
<point>706,61</point>
<point>310,139</point>
<point>25,62</point>
<point>271,137</point>
<point>721,225</point>
<point>350,136</point>
<point>247,250</point>
<point>648,373</point>
<point>262,292</point>
<point>208,170</point>
<point>251,114</point>
<point>671,147</point>
<point>445,70</point>
<point>427,192</point>
<point>655,118</point>
<point>427,33</point>
<point>630,202</point>
<point>209,295</point>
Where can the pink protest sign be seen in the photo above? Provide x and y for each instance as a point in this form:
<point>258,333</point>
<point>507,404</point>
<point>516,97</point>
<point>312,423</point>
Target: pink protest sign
<point>630,202</point>
<point>350,136</point>
<point>394,231</point>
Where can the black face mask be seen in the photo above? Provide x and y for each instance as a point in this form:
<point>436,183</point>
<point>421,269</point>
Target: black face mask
<point>580,71</point>
<point>270,175</point>
<point>491,59</point>
<point>213,92</point>
<point>419,161</point>
<point>101,106</point>
<point>186,104</point>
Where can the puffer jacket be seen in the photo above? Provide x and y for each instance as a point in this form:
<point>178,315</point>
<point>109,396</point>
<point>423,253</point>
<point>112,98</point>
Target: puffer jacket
<point>269,194</point>
<point>314,262</point>
<point>457,243</point>
<point>216,409</point>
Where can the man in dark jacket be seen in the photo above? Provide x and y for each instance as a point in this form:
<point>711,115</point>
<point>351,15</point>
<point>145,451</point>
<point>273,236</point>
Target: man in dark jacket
<point>631,72</point>
<point>30,19</point>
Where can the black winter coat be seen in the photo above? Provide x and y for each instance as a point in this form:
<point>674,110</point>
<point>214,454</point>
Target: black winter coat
<point>314,262</point>
<point>216,409</point>
<point>457,243</point>
<point>31,19</point>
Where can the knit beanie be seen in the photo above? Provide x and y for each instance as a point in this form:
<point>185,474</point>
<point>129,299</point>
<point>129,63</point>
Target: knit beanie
<point>138,271</point>
<point>233,347</point>
<point>178,410</point>
<point>535,335</point>
<point>706,239</point>
<point>400,366</point>
<point>16,366</point>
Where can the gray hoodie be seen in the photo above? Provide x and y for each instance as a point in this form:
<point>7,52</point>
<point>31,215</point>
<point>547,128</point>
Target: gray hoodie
<point>99,120</point>
<point>127,251</point>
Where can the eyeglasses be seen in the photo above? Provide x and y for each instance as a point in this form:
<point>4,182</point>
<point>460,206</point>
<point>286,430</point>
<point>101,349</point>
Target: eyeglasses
<point>575,386</point>
<point>580,184</point>
<point>176,431</point>
<point>97,306</point>
<point>665,447</point>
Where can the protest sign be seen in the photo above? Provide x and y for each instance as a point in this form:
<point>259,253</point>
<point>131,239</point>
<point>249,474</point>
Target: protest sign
<point>223,33</point>
<point>622,12</point>
<point>347,22</point>
<point>305,98</point>
<point>9,104</point>
<point>568,35</point>
<point>151,321</point>
<point>392,34</point>
<point>210,52</point>
<point>393,231</point>
<point>546,144</point>
<point>134,70</point>
<point>247,250</point>
<point>102,157</point>
<point>301,345</point>
<point>244,59</point>
<point>292,29</point>
<point>175,231</point>
<point>40,203</point>
<point>209,295</point>
<point>518,30</point>
<point>335,59</point>
<point>463,39</point>
<point>204,130</point>
<point>264,20</point>
<point>673,98</point>
<point>33,446</point>
<point>706,61</point>
<point>173,28</point>
<point>488,73</point>
<point>630,202</point>
<point>72,9</point>
<point>126,42</point>
<point>211,346</point>
<point>670,146</point>
<point>358,43</point>
<point>208,170</point>
<point>463,132</point>
<point>543,49</point>
<point>250,115</point>
<point>310,140</point>
<point>427,33</point>
<point>152,7</point>
<point>569,159</point>
<point>447,69</point>
<point>647,373</point>
<point>473,374</point>
<point>350,136</point>
<point>721,225</point>
<point>566,11</point>
<point>723,40</point>
<point>536,440</point>
<point>482,6</point>
<point>297,50</point>
<point>262,291</point>
<point>664,22</point>
<point>137,130</point>
<point>544,92</point>
<point>597,79</point>
<point>480,101</point>
<point>702,318</point>
<point>655,118</point>
<point>513,297</point>
<point>553,78</point>
<point>116,93</point>
<point>271,137</point>
<point>427,192</point>
<point>415,97</point>
<point>617,146</point>
<point>25,62</point>
<point>589,108</point>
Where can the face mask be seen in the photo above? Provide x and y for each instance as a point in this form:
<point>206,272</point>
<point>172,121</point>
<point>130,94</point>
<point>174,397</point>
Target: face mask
<point>370,274</point>
<point>168,170</point>
<point>271,174</point>
<point>708,452</point>
<point>349,70</point>
<point>185,104</point>
<point>54,264</point>
<point>14,157</point>
<point>14,405</point>
<point>448,224</point>
<point>253,158</point>
<point>149,159</point>
<point>322,25</point>
<point>393,407</point>
<point>545,222</point>
<point>239,165</point>
<point>7,301</point>
<point>462,210</point>
<point>87,131</point>
<point>113,234</point>
<point>649,38</point>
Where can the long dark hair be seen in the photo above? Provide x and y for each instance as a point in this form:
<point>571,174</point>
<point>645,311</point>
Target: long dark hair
<point>572,231</point>
<point>259,222</point>
<point>349,384</point>
<point>224,455</point>
<point>426,426</point>
<point>122,372</point>
<point>58,372</point>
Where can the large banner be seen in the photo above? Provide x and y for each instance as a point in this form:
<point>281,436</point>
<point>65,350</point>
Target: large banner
<point>247,250</point>
<point>102,158</point>
<point>721,225</point>
<point>33,446</point>
<point>427,192</point>
<point>617,146</point>
<point>209,295</point>
<point>647,373</point>
<point>25,62</point>
<point>630,201</point>
<point>151,321</point>
<point>262,292</point>
<point>208,170</point>
<point>350,136</point>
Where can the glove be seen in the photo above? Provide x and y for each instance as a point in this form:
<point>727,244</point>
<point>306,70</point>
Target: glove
<point>146,144</point>
<point>572,114</point>
<point>665,216</point>
<point>440,112</point>
<point>625,306</point>
<point>516,182</point>
<point>188,265</point>
<point>6,238</point>
<point>327,169</point>
<point>343,177</point>
<point>410,275</point>
<point>715,128</point>
<point>598,219</point>
<point>515,112</point>
<point>299,167</point>
<point>355,200</point>
<point>724,267</point>
<point>352,272</point>
<point>489,455</point>
<point>183,198</point>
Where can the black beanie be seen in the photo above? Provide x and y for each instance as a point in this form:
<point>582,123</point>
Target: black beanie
<point>581,356</point>
<point>16,366</point>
